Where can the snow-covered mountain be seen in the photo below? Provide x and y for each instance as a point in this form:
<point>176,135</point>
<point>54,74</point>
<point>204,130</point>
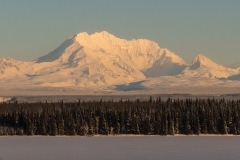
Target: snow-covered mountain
<point>101,60</point>
<point>139,54</point>
<point>10,68</point>
<point>202,66</point>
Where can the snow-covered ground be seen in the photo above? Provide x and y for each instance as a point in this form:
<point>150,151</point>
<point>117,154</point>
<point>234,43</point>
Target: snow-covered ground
<point>120,148</point>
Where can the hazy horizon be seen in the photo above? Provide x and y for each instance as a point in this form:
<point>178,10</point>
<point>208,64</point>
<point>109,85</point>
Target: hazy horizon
<point>32,29</point>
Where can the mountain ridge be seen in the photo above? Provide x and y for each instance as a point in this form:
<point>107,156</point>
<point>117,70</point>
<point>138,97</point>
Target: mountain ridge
<point>103,60</point>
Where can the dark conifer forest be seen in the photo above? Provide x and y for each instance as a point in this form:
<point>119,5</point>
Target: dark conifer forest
<point>152,117</point>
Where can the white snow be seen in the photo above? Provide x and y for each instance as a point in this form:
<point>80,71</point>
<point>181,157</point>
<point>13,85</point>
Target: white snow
<point>202,66</point>
<point>99,61</point>
<point>120,148</point>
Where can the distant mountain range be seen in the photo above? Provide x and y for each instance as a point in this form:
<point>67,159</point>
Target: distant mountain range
<point>102,62</point>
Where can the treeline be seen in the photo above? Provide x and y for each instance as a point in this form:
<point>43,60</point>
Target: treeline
<point>152,117</point>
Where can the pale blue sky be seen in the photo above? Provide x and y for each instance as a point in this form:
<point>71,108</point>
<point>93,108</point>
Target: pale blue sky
<point>32,28</point>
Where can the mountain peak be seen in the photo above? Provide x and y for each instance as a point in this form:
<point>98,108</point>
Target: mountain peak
<point>202,66</point>
<point>104,38</point>
<point>97,39</point>
<point>84,35</point>
<point>200,57</point>
<point>103,33</point>
<point>202,60</point>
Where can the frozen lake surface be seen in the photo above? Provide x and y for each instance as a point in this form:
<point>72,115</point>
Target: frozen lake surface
<point>120,148</point>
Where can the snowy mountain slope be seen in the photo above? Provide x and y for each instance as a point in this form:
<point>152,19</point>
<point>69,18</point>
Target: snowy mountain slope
<point>141,53</point>
<point>191,85</point>
<point>55,54</point>
<point>103,59</point>
<point>168,65</point>
<point>10,68</point>
<point>202,66</point>
<point>87,64</point>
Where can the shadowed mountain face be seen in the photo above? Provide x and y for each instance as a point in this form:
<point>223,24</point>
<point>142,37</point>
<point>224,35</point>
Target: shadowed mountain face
<point>234,77</point>
<point>103,60</point>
